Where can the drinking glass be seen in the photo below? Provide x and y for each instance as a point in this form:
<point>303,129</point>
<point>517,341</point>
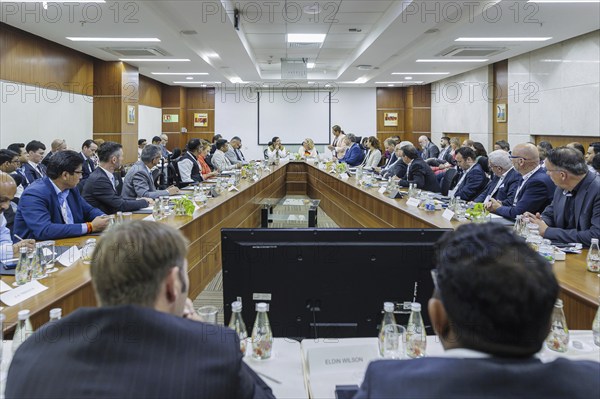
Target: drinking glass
<point>49,256</point>
<point>165,205</point>
<point>460,209</point>
<point>208,314</point>
<point>127,217</point>
<point>393,341</point>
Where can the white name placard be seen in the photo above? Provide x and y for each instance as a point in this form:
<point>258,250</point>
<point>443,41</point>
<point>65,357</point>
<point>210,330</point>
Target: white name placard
<point>448,214</point>
<point>22,293</point>
<point>413,202</point>
<point>344,176</point>
<point>381,190</point>
<point>70,256</point>
<point>336,358</point>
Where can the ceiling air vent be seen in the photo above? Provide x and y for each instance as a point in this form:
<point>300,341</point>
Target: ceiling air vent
<point>293,68</point>
<point>136,52</point>
<point>462,51</point>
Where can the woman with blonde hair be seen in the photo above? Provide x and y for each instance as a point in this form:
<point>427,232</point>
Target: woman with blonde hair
<point>307,149</point>
<point>373,153</point>
<point>205,171</point>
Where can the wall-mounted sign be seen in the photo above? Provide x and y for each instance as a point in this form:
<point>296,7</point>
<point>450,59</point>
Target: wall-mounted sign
<point>170,118</point>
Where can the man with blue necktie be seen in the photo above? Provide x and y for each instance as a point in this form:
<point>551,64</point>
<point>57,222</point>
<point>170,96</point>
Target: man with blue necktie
<point>52,208</point>
<point>34,169</point>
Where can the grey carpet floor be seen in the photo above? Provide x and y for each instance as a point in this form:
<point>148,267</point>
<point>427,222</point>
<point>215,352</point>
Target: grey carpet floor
<point>213,293</point>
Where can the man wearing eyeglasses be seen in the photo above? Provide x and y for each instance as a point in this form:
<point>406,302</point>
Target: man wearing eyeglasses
<point>491,310</point>
<point>505,182</point>
<point>535,190</point>
<point>52,208</point>
<point>574,214</point>
<point>8,250</point>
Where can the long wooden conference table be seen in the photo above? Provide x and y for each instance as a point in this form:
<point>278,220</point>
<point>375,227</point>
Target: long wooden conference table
<point>348,204</point>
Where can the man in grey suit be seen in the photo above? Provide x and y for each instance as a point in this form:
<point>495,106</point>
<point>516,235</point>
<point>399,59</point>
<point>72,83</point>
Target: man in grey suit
<point>574,214</point>
<point>138,181</point>
<point>143,340</point>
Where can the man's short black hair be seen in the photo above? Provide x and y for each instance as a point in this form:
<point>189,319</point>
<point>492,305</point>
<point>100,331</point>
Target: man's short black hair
<point>216,137</point>
<point>7,156</point>
<point>107,150</point>
<point>236,138</point>
<point>503,144</point>
<point>466,152</point>
<point>410,151</point>
<point>141,141</point>
<point>568,159</point>
<point>596,147</point>
<point>88,143</point>
<point>498,293</point>
<point>16,147</point>
<point>446,138</point>
<point>221,143</point>
<point>34,146</point>
<point>193,145</point>
<point>63,161</point>
<point>156,139</point>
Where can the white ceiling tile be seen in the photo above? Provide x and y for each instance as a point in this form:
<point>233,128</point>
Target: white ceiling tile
<point>357,18</point>
<point>364,6</point>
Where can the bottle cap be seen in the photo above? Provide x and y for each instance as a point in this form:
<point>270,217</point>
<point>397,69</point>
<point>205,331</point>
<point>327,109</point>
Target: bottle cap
<point>261,307</point>
<point>236,306</point>
<point>415,307</point>
<point>388,306</point>
<point>23,314</point>
<point>55,313</point>
<point>559,303</point>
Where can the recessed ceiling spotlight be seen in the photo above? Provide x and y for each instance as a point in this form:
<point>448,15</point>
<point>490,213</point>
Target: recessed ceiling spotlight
<point>391,85</point>
<point>180,73</point>
<point>408,77</point>
<point>188,32</point>
<point>190,78</point>
<point>310,65</point>
<point>355,30</point>
<point>202,85</point>
<point>364,67</point>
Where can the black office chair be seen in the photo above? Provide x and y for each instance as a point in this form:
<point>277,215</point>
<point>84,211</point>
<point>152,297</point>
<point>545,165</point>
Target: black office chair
<point>266,154</point>
<point>449,181</point>
<point>174,178</point>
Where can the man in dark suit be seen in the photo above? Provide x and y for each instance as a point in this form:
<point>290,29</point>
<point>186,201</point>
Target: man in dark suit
<point>57,145</point>
<point>574,214</point>
<point>490,330</point>
<point>52,208</point>
<point>139,183</point>
<point>354,155</point>
<point>390,148</point>
<point>506,179</point>
<point>33,168</point>
<point>147,340</point>
<point>430,150</point>
<point>101,190</point>
<point>399,167</point>
<point>88,151</point>
<point>418,171</point>
<point>473,180</point>
<point>535,189</point>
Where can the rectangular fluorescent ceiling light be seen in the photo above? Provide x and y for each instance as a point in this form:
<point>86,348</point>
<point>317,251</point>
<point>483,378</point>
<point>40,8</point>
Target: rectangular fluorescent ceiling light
<point>310,65</point>
<point>113,39</point>
<point>404,82</point>
<point>502,39</point>
<point>420,73</point>
<point>154,60</point>
<point>466,60</point>
<point>564,1</point>
<point>180,73</point>
<point>306,37</point>
<point>194,83</point>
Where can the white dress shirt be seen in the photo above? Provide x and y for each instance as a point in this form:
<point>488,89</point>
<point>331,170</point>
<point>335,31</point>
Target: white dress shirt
<point>6,244</point>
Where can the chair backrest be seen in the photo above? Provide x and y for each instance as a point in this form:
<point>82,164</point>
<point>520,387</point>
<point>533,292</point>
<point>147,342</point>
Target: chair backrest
<point>449,180</point>
<point>266,153</point>
<point>174,176</point>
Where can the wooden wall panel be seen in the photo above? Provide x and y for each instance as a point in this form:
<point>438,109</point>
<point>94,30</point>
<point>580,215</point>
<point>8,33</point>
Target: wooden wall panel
<point>422,96</point>
<point>200,100</point>
<point>422,121</point>
<point>30,59</point>
<point>500,95</point>
<point>107,114</point>
<point>558,141</point>
<point>108,79</point>
<point>390,97</point>
<point>150,92</point>
<point>170,96</point>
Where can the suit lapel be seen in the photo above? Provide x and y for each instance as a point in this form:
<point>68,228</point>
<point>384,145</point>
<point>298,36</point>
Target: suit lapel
<point>580,197</point>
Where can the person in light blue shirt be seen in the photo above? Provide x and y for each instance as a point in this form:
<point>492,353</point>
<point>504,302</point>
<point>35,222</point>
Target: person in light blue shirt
<point>8,250</point>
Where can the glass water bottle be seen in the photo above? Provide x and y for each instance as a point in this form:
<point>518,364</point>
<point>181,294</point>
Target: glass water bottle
<point>22,270</point>
<point>388,318</point>
<point>558,339</point>
<point>416,337</point>
<point>37,266</point>
<point>55,314</point>
<point>23,330</point>
<point>262,336</point>
<point>593,257</point>
<point>237,324</point>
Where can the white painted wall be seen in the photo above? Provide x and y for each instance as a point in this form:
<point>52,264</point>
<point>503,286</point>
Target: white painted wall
<point>555,90</point>
<point>462,104</point>
<point>236,115</point>
<point>44,114</point>
<point>149,122</point>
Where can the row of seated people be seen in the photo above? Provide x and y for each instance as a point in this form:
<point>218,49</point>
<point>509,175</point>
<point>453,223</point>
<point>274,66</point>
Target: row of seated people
<point>490,334</point>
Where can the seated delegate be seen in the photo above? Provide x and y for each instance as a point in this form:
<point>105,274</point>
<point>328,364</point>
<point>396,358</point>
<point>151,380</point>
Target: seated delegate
<point>491,309</point>
<point>138,181</point>
<point>8,250</point>
<point>52,208</point>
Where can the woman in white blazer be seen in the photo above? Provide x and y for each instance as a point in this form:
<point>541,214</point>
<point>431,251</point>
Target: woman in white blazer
<point>373,153</point>
<point>307,149</point>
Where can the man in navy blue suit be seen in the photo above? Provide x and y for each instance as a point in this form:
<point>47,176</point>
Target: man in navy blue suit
<point>52,208</point>
<point>505,182</point>
<point>473,179</point>
<point>144,340</point>
<point>535,190</point>
<point>33,169</point>
<point>491,310</point>
<point>354,155</point>
<point>88,151</point>
<point>574,214</point>
<point>418,171</point>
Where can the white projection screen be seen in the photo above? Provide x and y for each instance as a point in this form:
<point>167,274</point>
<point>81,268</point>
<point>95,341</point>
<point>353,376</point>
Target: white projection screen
<point>294,115</point>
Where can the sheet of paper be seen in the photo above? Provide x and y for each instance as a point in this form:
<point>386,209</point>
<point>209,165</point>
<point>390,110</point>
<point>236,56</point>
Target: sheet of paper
<point>381,190</point>
<point>4,287</point>
<point>22,293</point>
<point>293,202</point>
<point>344,176</point>
<point>296,218</point>
<point>448,214</point>
<point>70,256</point>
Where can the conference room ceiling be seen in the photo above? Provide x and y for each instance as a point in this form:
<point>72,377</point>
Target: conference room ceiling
<point>366,41</point>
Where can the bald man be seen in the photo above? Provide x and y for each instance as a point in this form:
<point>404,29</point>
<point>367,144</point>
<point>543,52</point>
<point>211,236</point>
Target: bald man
<point>536,189</point>
<point>430,150</point>
<point>8,250</point>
